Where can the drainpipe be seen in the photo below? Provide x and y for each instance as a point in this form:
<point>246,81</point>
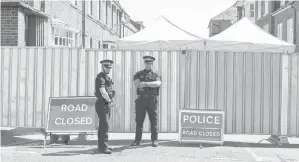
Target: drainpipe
<point>295,22</point>
<point>83,24</point>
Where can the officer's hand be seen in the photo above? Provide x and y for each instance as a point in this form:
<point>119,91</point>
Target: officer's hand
<point>141,85</point>
<point>109,107</point>
<point>110,104</point>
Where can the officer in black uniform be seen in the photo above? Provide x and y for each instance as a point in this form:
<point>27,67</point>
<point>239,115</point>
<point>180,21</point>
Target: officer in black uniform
<point>104,103</point>
<point>148,84</point>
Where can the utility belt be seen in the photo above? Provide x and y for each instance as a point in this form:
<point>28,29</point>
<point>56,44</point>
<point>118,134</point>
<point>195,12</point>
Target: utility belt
<point>147,95</point>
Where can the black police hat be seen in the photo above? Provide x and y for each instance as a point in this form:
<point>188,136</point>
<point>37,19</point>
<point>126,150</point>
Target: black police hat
<point>148,58</point>
<point>107,63</point>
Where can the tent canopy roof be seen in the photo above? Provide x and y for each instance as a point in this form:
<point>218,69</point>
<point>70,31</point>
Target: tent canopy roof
<point>161,35</point>
<point>241,36</point>
<point>161,30</point>
<point>244,31</point>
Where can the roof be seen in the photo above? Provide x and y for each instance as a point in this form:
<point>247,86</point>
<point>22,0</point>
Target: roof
<point>215,17</point>
<point>230,9</point>
<point>239,3</point>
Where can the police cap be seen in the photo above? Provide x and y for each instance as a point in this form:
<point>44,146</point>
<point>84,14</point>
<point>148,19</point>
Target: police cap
<point>148,58</point>
<point>107,63</point>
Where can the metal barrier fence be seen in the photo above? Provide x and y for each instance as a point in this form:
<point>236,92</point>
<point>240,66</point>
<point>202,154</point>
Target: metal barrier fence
<point>247,86</point>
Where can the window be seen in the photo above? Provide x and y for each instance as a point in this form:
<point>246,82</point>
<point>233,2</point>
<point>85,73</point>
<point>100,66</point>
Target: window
<point>262,8</point>
<point>290,30</point>
<point>107,6</point>
<point>282,2</point>
<point>90,7</point>
<point>63,37</point>
<point>259,9</point>
<point>251,6</point>
<point>26,30</point>
<point>42,5</point>
<point>113,17</point>
<point>123,31</point>
<point>251,13</point>
<point>251,10</point>
<point>105,46</point>
<point>240,12</point>
<point>76,3</point>
<point>117,21</point>
<point>279,31</point>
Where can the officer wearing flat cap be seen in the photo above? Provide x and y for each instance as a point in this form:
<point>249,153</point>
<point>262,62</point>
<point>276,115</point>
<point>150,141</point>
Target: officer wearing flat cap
<point>104,103</point>
<point>148,84</point>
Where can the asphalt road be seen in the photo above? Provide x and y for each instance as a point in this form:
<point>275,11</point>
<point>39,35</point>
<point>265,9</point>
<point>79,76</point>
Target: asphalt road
<point>167,151</point>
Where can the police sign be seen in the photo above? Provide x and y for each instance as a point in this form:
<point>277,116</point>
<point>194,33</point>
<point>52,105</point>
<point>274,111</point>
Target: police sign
<point>71,115</point>
<point>201,126</point>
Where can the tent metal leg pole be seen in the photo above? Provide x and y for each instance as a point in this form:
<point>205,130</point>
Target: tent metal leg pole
<point>45,140</point>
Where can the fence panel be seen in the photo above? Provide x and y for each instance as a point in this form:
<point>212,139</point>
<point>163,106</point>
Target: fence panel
<point>293,109</point>
<point>247,86</point>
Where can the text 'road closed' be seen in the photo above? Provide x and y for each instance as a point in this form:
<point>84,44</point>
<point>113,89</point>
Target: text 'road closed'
<point>73,114</point>
<point>198,133</point>
<point>70,121</point>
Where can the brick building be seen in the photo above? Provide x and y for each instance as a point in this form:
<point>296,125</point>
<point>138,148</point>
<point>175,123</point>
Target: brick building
<point>59,23</point>
<point>279,18</point>
<point>225,19</point>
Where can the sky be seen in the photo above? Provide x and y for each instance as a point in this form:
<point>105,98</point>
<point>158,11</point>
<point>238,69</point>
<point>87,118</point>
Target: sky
<point>190,15</point>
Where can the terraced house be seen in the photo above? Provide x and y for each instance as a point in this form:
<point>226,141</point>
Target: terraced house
<point>59,23</point>
<point>240,9</point>
<point>279,18</point>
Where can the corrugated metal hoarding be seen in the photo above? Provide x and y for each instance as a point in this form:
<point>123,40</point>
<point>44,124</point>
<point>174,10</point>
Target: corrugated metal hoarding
<point>245,85</point>
<point>293,104</point>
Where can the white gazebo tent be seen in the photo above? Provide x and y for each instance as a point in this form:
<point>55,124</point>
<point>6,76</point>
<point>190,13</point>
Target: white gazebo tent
<point>246,36</point>
<point>161,35</point>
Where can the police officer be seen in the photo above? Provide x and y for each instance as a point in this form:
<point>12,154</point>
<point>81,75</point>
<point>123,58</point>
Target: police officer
<point>148,84</point>
<point>104,103</point>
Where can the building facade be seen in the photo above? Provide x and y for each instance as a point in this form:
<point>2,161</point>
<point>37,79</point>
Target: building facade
<point>279,18</point>
<point>59,23</point>
<point>228,17</point>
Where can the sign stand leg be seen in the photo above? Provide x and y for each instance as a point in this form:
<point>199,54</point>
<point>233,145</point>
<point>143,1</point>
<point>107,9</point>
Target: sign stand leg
<point>200,145</point>
<point>45,140</point>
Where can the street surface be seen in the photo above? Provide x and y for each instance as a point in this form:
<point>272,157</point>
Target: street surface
<point>168,150</point>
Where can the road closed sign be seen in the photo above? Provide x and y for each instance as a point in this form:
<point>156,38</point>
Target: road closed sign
<point>72,114</point>
<point>201,126</point>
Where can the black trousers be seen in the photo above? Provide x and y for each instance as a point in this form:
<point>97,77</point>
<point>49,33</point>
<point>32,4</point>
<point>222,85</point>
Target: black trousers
<point>147,104</point>
<point>104,116</point>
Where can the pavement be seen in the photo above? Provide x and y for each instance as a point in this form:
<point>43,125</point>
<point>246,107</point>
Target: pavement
<point>16,146</point>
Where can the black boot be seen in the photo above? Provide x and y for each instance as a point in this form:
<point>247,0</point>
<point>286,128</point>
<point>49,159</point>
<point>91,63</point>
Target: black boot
<point>135,143</point>
<point>105,151</point>
<point>155,143</point>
